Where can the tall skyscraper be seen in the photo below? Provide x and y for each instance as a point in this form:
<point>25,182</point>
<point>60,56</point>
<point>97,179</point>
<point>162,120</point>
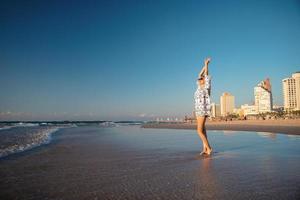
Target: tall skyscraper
<point>291,92</point>
<point>263,96</point>
<point>227,104</point>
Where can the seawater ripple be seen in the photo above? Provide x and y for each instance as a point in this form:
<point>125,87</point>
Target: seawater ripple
<point>18,139</point>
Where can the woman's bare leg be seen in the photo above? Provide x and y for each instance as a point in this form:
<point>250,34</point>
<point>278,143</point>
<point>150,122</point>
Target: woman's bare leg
<point>204,146</point>
<point>200,132</point>
<point>202,135</point>
<point>208,148</point>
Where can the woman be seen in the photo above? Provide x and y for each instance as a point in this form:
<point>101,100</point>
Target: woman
<point>202,105</point>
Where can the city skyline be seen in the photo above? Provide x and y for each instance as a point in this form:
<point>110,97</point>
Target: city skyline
<point>128,60</point>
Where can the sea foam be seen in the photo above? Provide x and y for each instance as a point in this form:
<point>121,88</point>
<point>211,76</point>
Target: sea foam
<point>18,139</point>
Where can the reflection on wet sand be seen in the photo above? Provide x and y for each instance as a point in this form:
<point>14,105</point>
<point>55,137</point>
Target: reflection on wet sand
<point>294,136</point>
<point>206,187</point>
<point>133,163</point>
<point>229,133</point>
<point>267,135</point>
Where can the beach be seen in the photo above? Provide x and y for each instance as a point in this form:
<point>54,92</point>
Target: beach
<point>273,126</point>
<point>130,162</point>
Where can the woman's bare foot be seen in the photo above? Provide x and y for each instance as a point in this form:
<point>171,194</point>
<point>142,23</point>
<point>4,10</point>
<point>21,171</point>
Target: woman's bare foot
<point>209,151</point>
<point>203,151</point>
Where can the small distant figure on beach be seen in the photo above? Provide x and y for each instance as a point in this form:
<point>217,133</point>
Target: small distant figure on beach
<point>203,105</point>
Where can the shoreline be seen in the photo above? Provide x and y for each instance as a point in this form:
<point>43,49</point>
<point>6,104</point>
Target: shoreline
<point>290,127</point>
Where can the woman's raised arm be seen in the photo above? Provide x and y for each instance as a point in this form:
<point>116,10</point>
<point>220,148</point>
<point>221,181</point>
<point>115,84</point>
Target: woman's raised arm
<point>206,62</point>
<point>204,69</point>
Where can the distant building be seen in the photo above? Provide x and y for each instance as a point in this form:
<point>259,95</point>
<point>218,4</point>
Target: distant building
<point>215,110</point>
<point>194,115</point>
<point>291,92</point>
<point>249,109</point>
<point>227,104</point>
<point>238,111</point>
<point>263,96</point>
<point>278,108</point>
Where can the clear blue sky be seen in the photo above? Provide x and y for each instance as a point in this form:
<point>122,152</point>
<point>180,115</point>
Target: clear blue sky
<point>117,60</point>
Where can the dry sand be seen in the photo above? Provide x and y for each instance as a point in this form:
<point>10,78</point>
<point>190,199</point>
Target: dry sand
<point>274,126</point>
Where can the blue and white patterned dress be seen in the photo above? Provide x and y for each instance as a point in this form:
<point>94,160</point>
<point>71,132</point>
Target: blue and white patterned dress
<point>202,98</point>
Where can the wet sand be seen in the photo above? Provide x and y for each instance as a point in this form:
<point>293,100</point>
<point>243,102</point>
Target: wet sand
<point>273,126</point>
<point>137,163</point>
